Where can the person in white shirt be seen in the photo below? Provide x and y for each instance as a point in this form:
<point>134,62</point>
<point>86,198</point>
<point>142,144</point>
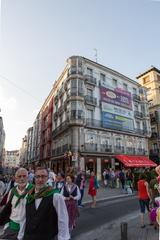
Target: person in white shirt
<point>51,178</point>
<point>18,195</point>
<point>46,212</point>
<point>71,194</point>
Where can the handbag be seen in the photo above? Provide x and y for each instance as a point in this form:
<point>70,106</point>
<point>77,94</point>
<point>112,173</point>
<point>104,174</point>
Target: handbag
<point>6,212</point>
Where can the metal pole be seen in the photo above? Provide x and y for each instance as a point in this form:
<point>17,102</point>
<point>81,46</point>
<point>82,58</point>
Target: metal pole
<point>124,227</point>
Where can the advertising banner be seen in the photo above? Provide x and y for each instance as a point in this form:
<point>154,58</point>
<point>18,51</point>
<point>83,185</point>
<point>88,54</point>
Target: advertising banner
<point>106,107</point>
<point>118,97</point>
<point>113,121</point>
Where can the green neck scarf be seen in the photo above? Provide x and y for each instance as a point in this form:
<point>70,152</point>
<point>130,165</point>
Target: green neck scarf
<point>22,196</point>
<point>44,192</point>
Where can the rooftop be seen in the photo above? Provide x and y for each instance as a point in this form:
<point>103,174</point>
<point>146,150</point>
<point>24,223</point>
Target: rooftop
<point>152,68</point>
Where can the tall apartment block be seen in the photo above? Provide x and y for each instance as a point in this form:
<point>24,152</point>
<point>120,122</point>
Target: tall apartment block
<point>93,118</point>
<point>151,81</point>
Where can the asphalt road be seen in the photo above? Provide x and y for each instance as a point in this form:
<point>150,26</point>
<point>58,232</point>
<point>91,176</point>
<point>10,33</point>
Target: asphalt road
<point>106,212</point>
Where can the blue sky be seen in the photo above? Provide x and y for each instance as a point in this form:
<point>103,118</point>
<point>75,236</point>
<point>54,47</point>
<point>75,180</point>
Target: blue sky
<point>37,36</point>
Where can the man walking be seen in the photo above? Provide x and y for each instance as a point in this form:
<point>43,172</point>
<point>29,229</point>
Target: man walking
<point>18,195</point>
<point>46,213</point>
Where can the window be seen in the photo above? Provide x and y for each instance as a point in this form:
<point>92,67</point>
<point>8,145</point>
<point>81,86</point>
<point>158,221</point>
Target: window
<point>76,114</point>
<point>91,138</point>
<point>80,84</point>
<point>90,114</point>
<point>102,77</point>
<point>144,125</point>
<point>89,71</point>
<point>150,102</point>
<point>118,142</point>
<point>74,83</point>
<point>134,91</point>
<point>73,105</point>
<point>155,146</point>
<point>149,91</point>
<point>89,92</point>
<point>136,107</point>
<point>114,82</point>
<point>146,79</point>
<point>143,108</point>
<point>125,86</point>
<point>138,125</point>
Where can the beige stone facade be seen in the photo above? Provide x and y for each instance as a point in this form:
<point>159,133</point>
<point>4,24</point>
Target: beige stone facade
<point>151,80</point>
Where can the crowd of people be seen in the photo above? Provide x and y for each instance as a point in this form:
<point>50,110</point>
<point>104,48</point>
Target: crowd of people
<point>38,205</point>
<point>119,178</point>
<point>149,196</point>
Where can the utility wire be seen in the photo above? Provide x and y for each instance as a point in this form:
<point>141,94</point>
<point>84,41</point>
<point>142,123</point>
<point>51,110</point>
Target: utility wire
<point>20,88</point>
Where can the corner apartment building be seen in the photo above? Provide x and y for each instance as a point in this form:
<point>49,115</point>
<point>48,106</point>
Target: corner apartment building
<point>151,80</point>
<point>100,117</point>
<point>94,118</point>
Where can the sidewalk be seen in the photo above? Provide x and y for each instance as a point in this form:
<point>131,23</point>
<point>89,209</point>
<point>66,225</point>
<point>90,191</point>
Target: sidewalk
<point>112,230</point>
<point>104,193</point>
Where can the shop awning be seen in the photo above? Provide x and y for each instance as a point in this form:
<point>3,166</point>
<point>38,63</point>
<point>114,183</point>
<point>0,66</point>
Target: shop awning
<point>135,161</point>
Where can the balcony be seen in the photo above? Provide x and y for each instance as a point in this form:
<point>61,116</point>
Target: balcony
<point>141,131</point>
<point>60,109</point>
<point>90,80</point>
<point>56,98</point>
<point>55,115</point>
<point>61,91</point>
<point>118,149</point>
<point>130,150</point>
<point>60,150</point>
<point>138,114</point>
<point>90,147</point>
<point>141,151</point>
<point>136,97</point>
<point>105,148</point>
<point>65,104</point>
<point>75,70</point>
<point>153,119</point>
<point>93,123</point>
<point>76,114</point>
<point>91,100</point>
<point>60,129</point>
<point>77,92</point>
<point>154,135</point>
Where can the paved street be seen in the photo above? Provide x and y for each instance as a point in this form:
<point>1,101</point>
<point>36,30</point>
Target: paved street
<point>113,208</point>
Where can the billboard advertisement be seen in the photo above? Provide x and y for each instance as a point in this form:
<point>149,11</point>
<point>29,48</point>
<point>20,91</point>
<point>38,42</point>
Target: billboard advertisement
<point>113,121</point>
<point>118,97</point>
<point>107,107</point>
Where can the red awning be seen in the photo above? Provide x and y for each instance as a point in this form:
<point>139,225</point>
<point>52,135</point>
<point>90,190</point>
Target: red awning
<point>135,161</point>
